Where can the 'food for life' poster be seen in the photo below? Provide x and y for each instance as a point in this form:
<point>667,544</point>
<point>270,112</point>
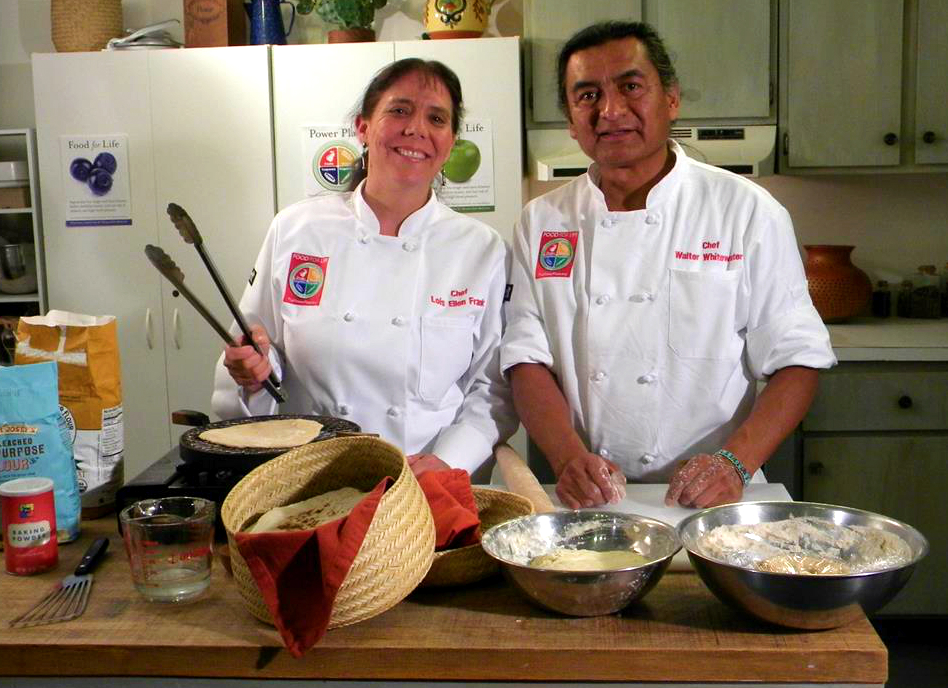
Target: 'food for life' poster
<point>95,180</point>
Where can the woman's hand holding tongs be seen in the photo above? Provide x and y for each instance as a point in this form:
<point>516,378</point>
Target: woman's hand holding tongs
<point>247,367</point>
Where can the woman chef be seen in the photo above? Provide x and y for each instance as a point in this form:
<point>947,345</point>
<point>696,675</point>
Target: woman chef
<point>382,305</point>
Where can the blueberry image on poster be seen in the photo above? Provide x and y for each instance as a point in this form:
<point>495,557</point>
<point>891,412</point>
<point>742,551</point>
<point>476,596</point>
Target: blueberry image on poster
<point>463,161</point>
<point>80,169</point>
<point>96,174</point>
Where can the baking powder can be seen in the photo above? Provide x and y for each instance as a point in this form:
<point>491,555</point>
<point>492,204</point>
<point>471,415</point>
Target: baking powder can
<point>29,525</point>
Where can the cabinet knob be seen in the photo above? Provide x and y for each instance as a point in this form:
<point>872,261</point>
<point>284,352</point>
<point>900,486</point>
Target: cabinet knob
<point>815,468</point>
<point>890,139</point>
<point>905,402</point>
<point>928,137</point>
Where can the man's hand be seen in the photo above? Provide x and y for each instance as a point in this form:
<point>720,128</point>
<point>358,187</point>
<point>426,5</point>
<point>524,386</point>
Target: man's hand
<point>419,463</point>
<point>705,480</point>
<point>248,368</point>
<point>589,480</point>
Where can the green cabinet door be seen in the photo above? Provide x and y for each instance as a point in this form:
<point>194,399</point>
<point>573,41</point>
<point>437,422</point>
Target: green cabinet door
<point>843,71</point>
<point>931,95</point>
<point>901,476</point>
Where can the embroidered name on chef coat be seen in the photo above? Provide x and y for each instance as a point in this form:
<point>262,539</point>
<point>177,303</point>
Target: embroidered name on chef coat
<point>709,252</point>
<point>305,279</point>
<point>557,250</point>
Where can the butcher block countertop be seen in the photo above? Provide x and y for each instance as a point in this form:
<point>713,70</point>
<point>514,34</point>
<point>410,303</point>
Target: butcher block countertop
<point>678,633</point>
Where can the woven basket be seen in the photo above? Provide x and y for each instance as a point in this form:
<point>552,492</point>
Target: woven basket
<point>398,546</point>
<point>85,25</point>
<point>466,565</point>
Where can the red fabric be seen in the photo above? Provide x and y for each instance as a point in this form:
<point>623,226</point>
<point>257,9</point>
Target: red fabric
<point>299,572</point>
<point>452,505</point>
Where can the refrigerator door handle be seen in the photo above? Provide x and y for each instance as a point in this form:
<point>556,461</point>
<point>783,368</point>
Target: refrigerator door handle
<point>148,338</point>
<point>176,329</point>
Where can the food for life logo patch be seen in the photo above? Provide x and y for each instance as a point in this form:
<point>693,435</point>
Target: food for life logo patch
<point>557,251</point>
<point>305,279</point>
<point>334,165</point>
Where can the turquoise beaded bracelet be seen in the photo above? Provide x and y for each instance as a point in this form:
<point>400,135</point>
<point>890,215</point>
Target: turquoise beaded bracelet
<point>736,462</point>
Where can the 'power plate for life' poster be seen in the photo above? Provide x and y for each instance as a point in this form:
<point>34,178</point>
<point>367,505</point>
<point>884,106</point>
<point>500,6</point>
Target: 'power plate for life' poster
<point>95,180</point>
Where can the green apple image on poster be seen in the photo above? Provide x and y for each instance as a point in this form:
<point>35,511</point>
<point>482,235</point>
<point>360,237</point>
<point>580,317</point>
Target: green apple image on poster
<point>463,162</point>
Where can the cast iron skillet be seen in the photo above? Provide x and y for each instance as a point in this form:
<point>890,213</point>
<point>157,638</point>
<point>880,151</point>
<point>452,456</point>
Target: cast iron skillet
<point>208,456</point>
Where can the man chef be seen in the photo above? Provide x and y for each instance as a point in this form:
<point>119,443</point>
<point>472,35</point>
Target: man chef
<point>650,294</point>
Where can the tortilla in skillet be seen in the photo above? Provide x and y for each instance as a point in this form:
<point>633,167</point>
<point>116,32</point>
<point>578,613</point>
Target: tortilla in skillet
<point>267,434</point>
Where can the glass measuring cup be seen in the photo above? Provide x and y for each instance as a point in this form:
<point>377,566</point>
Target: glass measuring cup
<point>168,542</point>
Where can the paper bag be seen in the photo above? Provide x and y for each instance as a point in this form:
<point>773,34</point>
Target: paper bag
<point>85,349</point>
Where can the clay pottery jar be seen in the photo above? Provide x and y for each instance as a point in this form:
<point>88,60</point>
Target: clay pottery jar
<point>355,35</point>
<point>456,18</point>
<point>838,289</point>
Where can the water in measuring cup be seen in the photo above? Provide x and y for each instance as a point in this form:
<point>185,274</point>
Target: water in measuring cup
<point>176,583</point>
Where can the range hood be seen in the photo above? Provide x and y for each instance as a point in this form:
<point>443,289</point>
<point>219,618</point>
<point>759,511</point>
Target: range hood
<point>747,150</point>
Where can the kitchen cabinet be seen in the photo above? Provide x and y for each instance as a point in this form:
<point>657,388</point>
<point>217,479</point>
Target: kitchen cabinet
<point>23,226</point>
<point>862,85</point>
<point>876,438</point>
<point>723,51</point>
<point>198,133</point>
<point>333,103</point>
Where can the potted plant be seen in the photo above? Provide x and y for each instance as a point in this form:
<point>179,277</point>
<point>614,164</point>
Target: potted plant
<point>353,17</point>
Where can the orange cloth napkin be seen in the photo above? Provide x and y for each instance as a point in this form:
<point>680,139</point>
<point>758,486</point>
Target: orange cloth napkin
<point>452,505</point>
<point>299,572</point>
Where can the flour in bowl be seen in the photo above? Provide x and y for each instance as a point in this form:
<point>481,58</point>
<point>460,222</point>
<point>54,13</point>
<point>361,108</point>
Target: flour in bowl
<point>805,545</point>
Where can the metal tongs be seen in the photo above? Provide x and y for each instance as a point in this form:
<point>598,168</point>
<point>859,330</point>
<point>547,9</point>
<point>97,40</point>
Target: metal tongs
<point>167,267</point>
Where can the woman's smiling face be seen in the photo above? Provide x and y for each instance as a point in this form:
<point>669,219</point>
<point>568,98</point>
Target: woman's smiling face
<point>409,134</point>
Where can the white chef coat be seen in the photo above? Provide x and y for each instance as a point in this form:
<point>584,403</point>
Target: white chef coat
<point>661,321</point>
<point>398,334</point>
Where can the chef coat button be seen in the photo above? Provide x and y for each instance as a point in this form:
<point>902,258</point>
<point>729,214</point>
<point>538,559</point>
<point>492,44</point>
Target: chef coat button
<point>364,239</point>
<point>343,410</point>
<point>598,376</point>
<point>608,222</point>
<point>393,412</point>
<point>602,299</point>
<point>651,219</point>
<point>647,458</point>
<point>409,246</point>
<point>349,316</point>
<point>398,321</point>
<point>604,453</point>
<point>648,296</point>
<point>647,379</point>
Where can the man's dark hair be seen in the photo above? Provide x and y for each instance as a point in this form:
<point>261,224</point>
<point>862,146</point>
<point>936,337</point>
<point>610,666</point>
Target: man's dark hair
<point>604,32</point>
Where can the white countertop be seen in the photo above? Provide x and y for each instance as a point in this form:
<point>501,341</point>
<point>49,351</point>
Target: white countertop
<point>890,339</point>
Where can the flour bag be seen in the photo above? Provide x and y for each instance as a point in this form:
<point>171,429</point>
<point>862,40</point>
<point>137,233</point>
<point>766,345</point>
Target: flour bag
<point>35,439</point>
<point>85,350</point>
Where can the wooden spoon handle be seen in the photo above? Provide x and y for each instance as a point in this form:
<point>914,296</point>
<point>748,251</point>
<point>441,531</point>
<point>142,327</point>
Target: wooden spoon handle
<point>520,479</point>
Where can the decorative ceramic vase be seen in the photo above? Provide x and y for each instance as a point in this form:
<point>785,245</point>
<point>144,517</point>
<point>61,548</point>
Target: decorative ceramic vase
<point>350,36</point>
<point>456,18</point>
<point>838,289</point>
<point>85,25</point>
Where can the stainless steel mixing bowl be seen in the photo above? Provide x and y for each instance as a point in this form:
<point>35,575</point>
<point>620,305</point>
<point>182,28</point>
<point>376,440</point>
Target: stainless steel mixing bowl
<point>799,600</point>
<point>582,593</point>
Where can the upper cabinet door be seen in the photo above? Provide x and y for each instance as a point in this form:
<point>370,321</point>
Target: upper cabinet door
<point>721,51</point>
<point>316,86</point>
<point>548,24</point>
<point>931,97</point>
<point>489,71</point>
<point>213,157</point>
<point>843,73</point>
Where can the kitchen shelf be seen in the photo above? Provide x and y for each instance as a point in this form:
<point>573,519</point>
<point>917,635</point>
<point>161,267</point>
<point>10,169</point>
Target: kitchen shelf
<point>19,298</point>
<point>24,224</point>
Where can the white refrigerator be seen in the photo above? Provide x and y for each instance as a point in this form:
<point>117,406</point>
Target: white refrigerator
<point>219,131</point>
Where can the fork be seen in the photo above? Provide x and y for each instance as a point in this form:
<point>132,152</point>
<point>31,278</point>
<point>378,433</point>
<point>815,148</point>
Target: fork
<point>69,597</point>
